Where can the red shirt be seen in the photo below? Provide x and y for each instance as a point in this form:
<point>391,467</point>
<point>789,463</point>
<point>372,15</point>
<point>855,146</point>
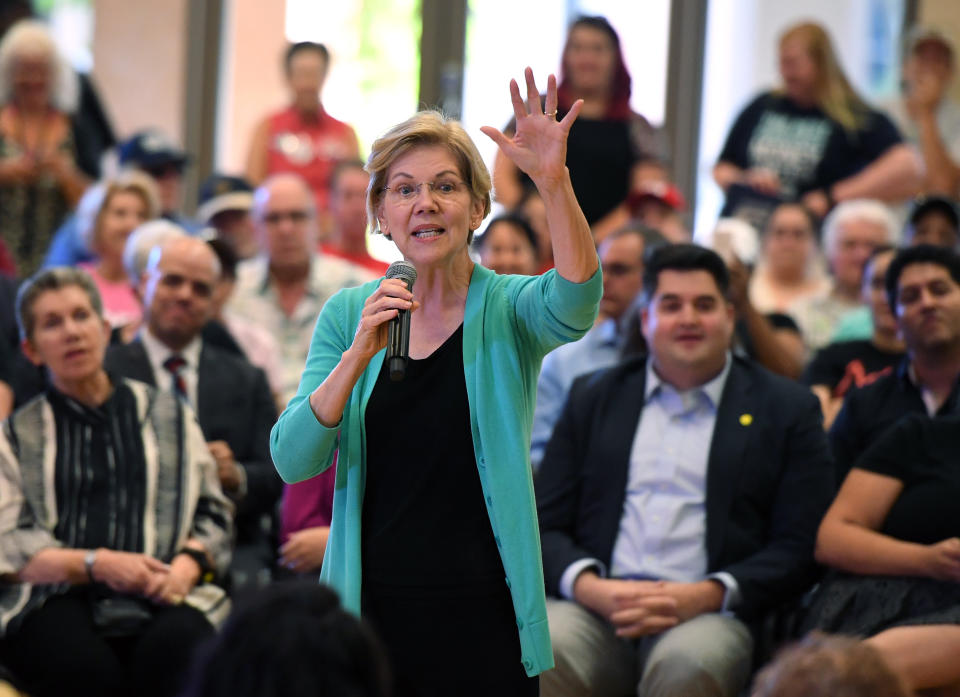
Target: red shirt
<point>364,260</point>
<point>309,148</point>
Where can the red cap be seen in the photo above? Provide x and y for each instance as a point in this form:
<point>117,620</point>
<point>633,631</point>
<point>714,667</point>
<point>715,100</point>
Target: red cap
<point>662,191</point>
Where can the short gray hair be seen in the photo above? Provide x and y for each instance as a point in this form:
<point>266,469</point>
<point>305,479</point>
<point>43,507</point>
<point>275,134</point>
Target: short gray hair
<point>56,278</point>
<point>866,209</point>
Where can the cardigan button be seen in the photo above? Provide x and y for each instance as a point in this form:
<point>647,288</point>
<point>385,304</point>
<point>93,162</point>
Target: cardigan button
<point>527,663</point>
<point>489,500</point>
<point>519,623</point>
<point>497,539</point>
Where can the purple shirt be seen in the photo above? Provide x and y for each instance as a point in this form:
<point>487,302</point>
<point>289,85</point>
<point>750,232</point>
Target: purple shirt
<point>308,504</point>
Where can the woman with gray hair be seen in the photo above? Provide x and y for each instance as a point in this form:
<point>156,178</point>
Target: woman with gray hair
<point>112,521</point>
<point>852,231</point>
<point>39,179</point>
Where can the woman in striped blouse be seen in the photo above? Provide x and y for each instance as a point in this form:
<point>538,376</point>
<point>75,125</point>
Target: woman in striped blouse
<point>112,520</point>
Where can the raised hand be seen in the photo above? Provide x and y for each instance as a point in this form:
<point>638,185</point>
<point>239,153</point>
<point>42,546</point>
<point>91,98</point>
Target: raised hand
<point>539,144</point>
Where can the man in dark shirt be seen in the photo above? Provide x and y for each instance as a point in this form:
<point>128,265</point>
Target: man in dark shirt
<point>843,365</point>
<point>923,289</point>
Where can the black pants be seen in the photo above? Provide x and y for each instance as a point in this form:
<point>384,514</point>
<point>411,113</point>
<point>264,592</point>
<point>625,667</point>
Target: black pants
<point>443,643</point>
<point>57,651</point>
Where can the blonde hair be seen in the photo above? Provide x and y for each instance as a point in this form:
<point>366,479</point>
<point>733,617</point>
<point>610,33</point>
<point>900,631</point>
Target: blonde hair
<point>833,91</point>
<point>30,37</point>
<point>426,128</point>
<point>93,205</point>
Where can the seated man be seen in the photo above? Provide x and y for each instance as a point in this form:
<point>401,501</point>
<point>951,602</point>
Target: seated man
<point>621,257</point>
<point>348,217</point>
<point>933,220</point>
<point>284,290</point>
<point>679,500</point>
<point>842,365</point>
<point>923,290</point>
<point>224,209</point>
<point>231,397</point>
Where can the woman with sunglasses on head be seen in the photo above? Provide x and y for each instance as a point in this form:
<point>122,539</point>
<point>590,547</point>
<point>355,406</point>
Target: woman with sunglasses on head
<point>434,536</point>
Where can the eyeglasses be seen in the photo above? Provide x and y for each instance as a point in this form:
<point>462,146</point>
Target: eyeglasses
<point>618,269</point>
<point>277,217</point>
<point>408,192</point>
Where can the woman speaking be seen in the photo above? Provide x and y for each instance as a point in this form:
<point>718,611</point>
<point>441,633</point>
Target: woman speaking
<point>434,536</point>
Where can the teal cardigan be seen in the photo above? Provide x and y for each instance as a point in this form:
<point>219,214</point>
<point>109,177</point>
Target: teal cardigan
<point>510,323</point>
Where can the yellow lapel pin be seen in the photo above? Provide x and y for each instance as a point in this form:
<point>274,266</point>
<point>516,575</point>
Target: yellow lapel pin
<point>746,419</point>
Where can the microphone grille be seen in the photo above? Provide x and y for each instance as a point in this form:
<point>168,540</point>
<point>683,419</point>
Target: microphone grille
<point>403,270</point>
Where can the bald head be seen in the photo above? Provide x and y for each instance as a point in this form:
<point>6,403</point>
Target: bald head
<point>177,290</point>
<point>285,214</point>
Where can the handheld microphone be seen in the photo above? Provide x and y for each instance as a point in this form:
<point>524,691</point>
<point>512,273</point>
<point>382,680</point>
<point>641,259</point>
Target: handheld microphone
<point>398,330</point>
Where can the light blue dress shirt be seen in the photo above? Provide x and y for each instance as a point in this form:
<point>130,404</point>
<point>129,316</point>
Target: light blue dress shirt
<point>599,348</point>
<point>663,528</point>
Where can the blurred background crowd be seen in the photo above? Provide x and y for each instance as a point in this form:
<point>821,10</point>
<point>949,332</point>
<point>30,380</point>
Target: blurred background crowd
<point>192,173</point>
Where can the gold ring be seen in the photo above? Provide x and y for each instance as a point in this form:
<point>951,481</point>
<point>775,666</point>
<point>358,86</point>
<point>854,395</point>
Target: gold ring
<point>551,114</point>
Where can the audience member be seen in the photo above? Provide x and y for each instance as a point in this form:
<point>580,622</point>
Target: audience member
<point>820,665</point>
<point>891,536</point>
<point>108,212</point>
<point>926,114</point>
<point>224,207</point>
<point>108,556</point>
<point>923,291</point>
<point>815,140</point>
<point>788,268</point>
<point>151,152</point>
<point>292,640</point>
<point>305,516</point>
<point>933,220</point>
<point>258,345</point>
<point>284,290</point>
<point>658,204</point>
<point>851,233</point>
<point>39,179</point>
<point>508,245</point>
<point>232,400</point>
<point>678,500</point>
<point>621,258</point>
<point>532,207</point>
<point>348,217</point>
<point>608,141</point>
<point>840,366</point>
<point>303,138</point>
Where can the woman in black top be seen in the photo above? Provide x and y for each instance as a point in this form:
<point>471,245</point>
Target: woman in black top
<point>608,142</point>
<point>814,140</point>
<point>892,532</point>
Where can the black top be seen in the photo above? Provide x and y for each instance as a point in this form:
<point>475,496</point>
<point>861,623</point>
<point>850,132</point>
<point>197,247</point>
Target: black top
<point>425,524</point>
<point>100,471</point>
<point>868,412</point>
<point>601,154</point>
<point>806,148</point>
<point>924,454</point>
<point>846,364</point>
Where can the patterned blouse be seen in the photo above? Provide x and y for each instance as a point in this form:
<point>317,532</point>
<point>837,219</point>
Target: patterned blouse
<point>133,474</point>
